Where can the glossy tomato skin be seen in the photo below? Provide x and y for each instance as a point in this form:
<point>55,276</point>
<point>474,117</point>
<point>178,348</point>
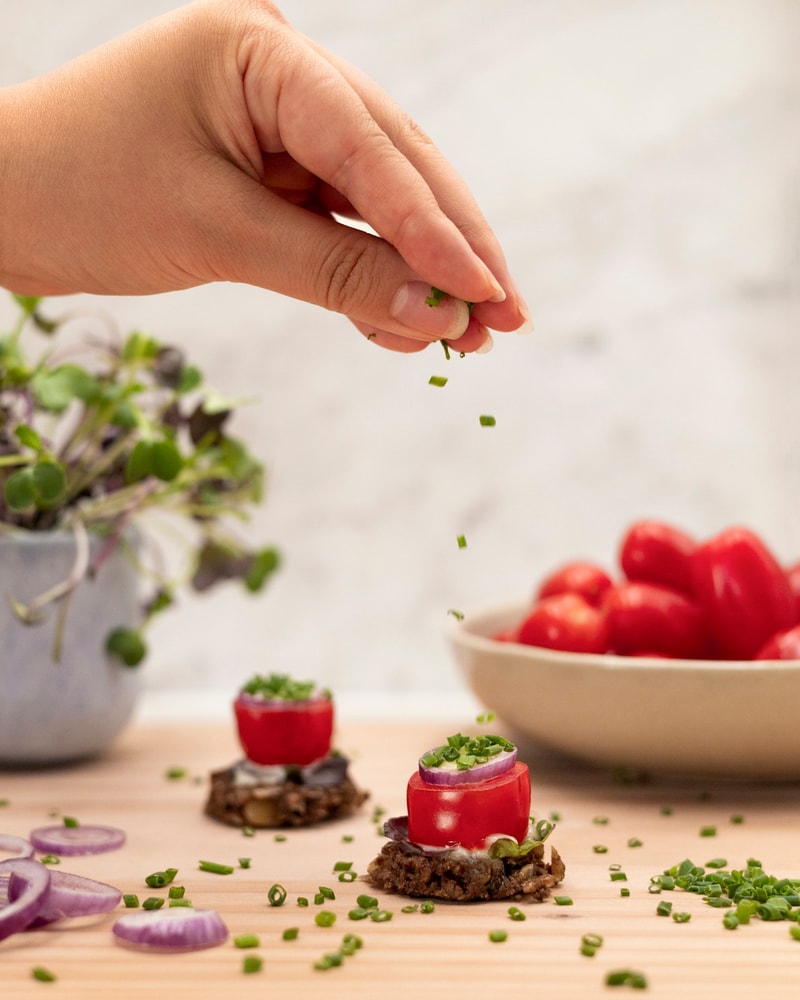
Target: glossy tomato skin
<point>656,552</point>
<point>284,732</point>
<point>743,591</point>
<point>784,645</point>
<point>647,618</point>
<point>566,622</point>
<point>469,813</point>
<point>588,580</point>
<point>793,576</point>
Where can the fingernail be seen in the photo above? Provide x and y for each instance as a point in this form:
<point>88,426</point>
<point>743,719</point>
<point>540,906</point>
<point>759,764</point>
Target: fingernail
<point>487,345</point>
<point>417,308</point>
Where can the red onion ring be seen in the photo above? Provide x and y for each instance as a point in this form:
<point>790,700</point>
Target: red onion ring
<point>33,883</point>
<point>176,929</point>
<point>493,768</point>
<point>15,847</point>
<point>69,895</point>
<point>73,840</point>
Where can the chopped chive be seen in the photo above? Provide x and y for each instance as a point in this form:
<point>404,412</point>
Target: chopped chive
<point>359,913</point>
<point>280,838</point>
<point>618,877</point>
<point>157,880</point>
<point>411,908</point>
<point>50,859</point>
<point>624,892</point>
<point>795,932</point>
<point>427,906</point>
<point>247,941</point>
<point>277,895</point>
<point>380,916</point>
<point>244,862</point>
<point>326,892</point>
<point>592,940</point>
<point>600,849</point>
<point>130,899</point>
<point>516,913</point>
<point>343,866</point>
<point>367,902</point>
<point>737,819</point>
<point>600,820</point>
<point>214,868</point>
<point>325,918</point>
<point>730,920</point>
<point>461,541</point>
<point>290,934</point>
<point>716,863</point>
<point>626,977</point>
<point>664,908</point>
<point>485,717</point>
<point>71,822</point>
<point>347,838</point>
<point>4,802</point>
<point>438,380</point>
<point>252,963</point>
<point>498,936</point>
<point>634,842</point>
<point>248,831</point>
<point>180,902</point>
<point>708,831</point>
<point>43,975</point>
<point>301,901</point>
<point>486,420</point>
<point>458,615</point>
<point>175,773</point>
<point>682,917</point>
<point>666,810</point>
<point>152,903</point>
<point>348,876</point>
<point>177,891</point>
<point>562,900</point>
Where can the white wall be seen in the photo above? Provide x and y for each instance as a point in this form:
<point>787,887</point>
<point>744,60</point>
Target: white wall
<point>640,164</point>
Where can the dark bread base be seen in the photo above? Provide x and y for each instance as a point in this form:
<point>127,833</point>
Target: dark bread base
<point>286,804</point>
<point>460,877</point>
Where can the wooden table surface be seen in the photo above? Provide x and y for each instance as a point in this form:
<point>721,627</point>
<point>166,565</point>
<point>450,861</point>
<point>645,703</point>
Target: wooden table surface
<point>446,953</point>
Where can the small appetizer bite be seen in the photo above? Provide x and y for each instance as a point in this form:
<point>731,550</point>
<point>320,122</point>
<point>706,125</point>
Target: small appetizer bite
<point>289,775</point>
<point>468,834</point>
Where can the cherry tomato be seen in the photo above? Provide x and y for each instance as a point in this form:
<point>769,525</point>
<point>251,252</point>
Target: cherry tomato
<point>469,813</point>
<point>743,591</point>
<point>793,576</point>
<point>284,732</point>
<point>584,578</point>
<point>784,645</point>
<point>567,622</point>
<point>655,552</point>
<point>647,618</point>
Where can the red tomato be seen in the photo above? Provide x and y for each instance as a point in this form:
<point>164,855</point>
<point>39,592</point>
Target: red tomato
<point>793,576</point>
<point>284,732</point>
<point>584,578</point>
<point>469,813</point>
<point>567,622</point>
<point>783,645</point>
<point>646,617</point>
<point>743,591</point>
<point>654,552</point>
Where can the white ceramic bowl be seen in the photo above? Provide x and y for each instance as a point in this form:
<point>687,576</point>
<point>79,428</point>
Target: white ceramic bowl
<point>738,719</point>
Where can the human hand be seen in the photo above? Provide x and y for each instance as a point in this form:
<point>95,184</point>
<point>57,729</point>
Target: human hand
<point>215,144</point>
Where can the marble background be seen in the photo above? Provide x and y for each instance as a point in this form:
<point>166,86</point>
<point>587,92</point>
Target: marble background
<point>640,161</point>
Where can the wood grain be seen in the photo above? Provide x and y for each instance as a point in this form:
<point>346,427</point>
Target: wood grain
<point>446,953</point>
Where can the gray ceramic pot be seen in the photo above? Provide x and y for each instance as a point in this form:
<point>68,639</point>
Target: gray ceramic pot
<point>57,712</point>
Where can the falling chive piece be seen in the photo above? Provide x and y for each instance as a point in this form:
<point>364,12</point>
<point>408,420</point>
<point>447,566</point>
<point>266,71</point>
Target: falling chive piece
<point>438,380</point>
<point>215,868</point>
<point>277,896</point>
<point>462,541</point>
<point>43,975</point>
<point>252,963</point>
<point>486,420</point>
<point>498,936</point>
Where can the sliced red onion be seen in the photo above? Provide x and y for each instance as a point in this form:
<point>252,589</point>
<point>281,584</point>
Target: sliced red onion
<point>33,883</point>
<point>70,895</point>
<point>72,840</point>
<point>15,847</point>
<point>174,929</point>
<point>450,774</point>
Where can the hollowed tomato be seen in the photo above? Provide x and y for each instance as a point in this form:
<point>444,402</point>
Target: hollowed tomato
<point>284,732</point>
<point>469,813</point>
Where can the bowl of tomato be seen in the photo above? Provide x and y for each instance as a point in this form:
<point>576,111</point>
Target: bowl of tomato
<point>682,659</point>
